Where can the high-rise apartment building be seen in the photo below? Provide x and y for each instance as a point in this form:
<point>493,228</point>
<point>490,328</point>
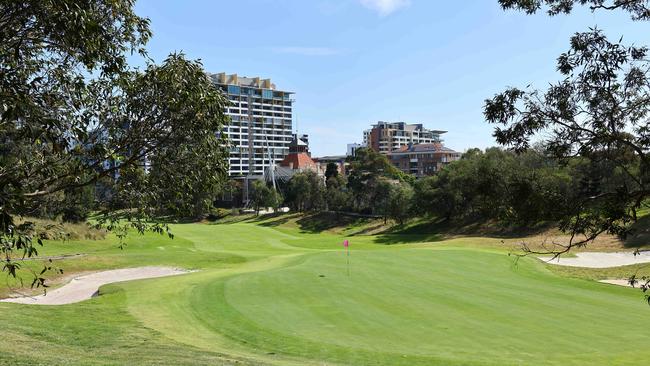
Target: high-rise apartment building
<point>385,137</point>
<point>261,122</point>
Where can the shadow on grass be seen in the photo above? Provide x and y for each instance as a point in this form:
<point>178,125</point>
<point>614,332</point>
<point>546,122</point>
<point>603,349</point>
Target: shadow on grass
<point>390,239</point>
<point>273,220</point>
<point>419,232</point>
<point>434,229</point>
<point>324,221</point>
<point>640,233</point>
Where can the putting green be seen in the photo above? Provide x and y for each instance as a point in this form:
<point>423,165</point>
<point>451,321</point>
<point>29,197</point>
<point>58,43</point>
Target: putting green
<point>291,301</point>
<point>409,306</point>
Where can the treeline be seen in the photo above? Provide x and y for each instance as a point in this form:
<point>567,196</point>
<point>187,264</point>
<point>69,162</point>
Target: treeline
<point>513,189</point>
<point>182,189</point>
<point>372,186</point>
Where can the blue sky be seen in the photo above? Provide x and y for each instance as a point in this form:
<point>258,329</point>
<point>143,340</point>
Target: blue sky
<point>354,62</point>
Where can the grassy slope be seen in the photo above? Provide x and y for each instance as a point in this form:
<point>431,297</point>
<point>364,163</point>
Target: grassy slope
<point>272,292</point>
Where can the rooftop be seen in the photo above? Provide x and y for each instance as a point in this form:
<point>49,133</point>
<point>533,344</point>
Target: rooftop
<point>405,126</point>
<point>297,161</point>
<point>417,148</point>
<point>331,158</point>
<point>251,82</point>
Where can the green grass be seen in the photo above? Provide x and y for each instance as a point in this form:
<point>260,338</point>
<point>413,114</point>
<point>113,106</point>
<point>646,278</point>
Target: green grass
<point>276,291</point>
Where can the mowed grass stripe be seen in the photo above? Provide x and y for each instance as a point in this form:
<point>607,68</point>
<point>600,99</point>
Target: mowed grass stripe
<point>396,303</point>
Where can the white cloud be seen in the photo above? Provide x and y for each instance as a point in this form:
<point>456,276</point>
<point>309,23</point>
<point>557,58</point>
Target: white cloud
<point>385,7</point>
<point>307,51</point>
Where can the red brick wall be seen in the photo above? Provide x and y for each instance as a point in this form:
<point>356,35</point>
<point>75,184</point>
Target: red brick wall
<point>374,138</point>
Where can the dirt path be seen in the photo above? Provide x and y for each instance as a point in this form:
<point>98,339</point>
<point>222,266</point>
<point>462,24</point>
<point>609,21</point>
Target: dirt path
<point>601,259</point>
<point>84,287</point>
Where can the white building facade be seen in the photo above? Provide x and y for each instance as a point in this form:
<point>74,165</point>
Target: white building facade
<point>260,130</point>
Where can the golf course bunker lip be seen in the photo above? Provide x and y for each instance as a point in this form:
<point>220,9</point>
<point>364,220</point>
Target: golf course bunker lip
<point>625,283</point>
<point>84,287</point>
<point>600,259</point>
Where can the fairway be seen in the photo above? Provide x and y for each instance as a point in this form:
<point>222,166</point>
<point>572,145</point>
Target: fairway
<point>285,297</point>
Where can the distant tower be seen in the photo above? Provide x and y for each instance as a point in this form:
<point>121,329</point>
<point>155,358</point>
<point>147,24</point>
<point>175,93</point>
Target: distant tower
<point>299,157</point>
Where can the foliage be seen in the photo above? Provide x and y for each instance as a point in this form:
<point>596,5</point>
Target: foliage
<point>515,189</point>
<point>599,113</point>
<point>306,192</point>
<point>400,202</point>
<point>66,231</point>
<point>186,174</point>
<point>367,170</point>
<point>638,9</point>
<point>73,115</point>
<point>331,170</point>
<point>337,196</point>
<point>262,196</point>
<point>381,194</point>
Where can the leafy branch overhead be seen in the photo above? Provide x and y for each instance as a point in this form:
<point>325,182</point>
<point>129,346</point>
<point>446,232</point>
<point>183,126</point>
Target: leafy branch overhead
<point>74,117</point>
<point>599,112</point>
<point>638,9</point>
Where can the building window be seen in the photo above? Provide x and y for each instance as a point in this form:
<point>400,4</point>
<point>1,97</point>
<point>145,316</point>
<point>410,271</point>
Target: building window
<point>233,89</point>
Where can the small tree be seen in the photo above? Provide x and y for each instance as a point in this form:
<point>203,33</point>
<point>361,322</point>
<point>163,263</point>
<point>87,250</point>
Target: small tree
<point>263,196</point>
<point>400,202</point>
<point>367,168</point>
<point>331,171</point>
<point>298,192</point>
<point>381,199</point>
<point>306,191</point>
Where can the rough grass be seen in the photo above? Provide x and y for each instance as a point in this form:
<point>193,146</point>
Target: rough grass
<point>56,230</point>
<point>596,274</point>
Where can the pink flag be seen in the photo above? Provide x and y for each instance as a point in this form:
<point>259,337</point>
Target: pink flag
<point>346,243</point>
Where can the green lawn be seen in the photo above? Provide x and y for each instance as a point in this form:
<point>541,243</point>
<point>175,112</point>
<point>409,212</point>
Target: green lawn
<point>269,293</point>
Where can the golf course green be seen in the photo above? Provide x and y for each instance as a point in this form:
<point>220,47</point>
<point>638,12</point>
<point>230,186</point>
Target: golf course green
<point>268,292</point>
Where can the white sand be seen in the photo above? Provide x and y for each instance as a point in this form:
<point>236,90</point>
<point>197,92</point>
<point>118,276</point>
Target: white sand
<point>600,259</point>
<point>625,283</point>
<point>84,287</point>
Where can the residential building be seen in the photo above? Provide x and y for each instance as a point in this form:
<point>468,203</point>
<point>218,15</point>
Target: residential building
<point>385,137</point>
<point>352,149</point>
<point>422,159</point>
<point>339,160</point>
<point>261,123</point>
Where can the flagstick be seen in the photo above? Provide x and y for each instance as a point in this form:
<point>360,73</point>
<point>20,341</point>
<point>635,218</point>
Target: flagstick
<point>348,257</point>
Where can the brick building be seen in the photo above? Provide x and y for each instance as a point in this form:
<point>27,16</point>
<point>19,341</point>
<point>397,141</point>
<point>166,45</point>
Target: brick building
<point>385,137</point>
<point>422,159</point>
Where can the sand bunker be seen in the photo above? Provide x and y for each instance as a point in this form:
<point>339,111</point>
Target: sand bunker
<point>601,259</point>
<point>625,283</point>
<point>84,287</point>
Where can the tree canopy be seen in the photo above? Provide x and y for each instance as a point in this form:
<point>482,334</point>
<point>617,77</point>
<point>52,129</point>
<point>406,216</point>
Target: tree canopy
<point>74,115</point>
<point>599,113</point>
